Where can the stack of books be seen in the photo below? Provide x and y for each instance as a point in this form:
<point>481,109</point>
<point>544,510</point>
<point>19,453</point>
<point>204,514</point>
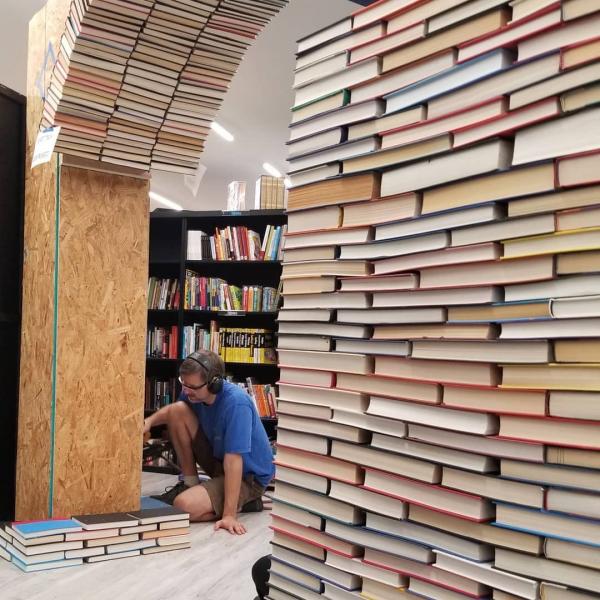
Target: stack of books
<point>270,193</point>
<point>439,339</point>
<point>162,342</point>
<point>213,293</point>
<point>236,243</point>
<point>54,544</point>
<point>137,83</point>
<point>163,293</point>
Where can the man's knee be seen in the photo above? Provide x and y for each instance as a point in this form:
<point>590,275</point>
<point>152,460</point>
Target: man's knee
<point>181,415</point>
<point>194,501</point>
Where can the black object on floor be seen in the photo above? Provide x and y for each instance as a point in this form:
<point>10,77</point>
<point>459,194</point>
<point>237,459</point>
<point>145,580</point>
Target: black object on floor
<point>260,575</point>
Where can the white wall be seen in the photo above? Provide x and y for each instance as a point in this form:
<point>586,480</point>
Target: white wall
<point>14,20</point>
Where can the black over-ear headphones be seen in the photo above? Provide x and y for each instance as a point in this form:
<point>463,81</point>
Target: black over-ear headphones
<point>215,385</point>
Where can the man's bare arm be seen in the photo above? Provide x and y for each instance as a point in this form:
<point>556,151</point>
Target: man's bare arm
<point>233,466</point>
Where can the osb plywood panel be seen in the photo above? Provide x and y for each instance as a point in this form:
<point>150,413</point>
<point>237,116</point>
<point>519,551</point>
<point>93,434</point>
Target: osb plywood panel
<point>36,341</point>
<point>101,341</point>
<point>102,282</point>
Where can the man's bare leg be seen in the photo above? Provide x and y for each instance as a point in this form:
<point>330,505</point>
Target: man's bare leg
<point>183,426</point>
<point>196,501</point>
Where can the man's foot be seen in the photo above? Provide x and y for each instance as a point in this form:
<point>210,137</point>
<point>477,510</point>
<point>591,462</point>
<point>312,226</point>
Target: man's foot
<point>171,493</point>
<point>253,506</point>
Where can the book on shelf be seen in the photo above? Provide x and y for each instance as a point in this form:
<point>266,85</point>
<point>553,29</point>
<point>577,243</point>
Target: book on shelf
<point>163,293</point>
<point>162,342</point>
<point>236,242</point>
<point>263,396</point>
<point>215,294</point>
<point>232,344</point>
<point>159,392</point>
<point>243,345</point>
<point>270,193</point>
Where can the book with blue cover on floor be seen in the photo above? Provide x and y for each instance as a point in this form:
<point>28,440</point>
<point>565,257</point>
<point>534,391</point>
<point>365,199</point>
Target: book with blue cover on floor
<point>35,529</point>
<point>56,564</point>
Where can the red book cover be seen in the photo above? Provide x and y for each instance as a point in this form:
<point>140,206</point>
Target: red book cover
<point>279,524</point>
<point>415,575</point>
<point>327,459</point>
<point>563,159</point>
<point>551,106</point>
<point>173,338</point>
<point>564,49</point>
<point>447,115</point>
<point>429,486</point>
<point>509,27</point>
<point>307,372</point>
<point>582,422</point>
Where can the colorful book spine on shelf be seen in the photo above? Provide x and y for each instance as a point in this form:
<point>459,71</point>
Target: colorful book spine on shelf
<point>163,293</point>
<point>213,293</point>
<point>263,396</point>
<point>244,345</point>
<point>162,342</point>
<point>159,392</point>
<point>235,243</point>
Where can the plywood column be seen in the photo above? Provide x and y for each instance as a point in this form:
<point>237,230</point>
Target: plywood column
<point>84,322</point>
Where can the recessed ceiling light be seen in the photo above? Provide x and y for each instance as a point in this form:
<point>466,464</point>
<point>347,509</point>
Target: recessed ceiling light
<point>165,201</point>
<point>271,170</point>
<point>220,130</point>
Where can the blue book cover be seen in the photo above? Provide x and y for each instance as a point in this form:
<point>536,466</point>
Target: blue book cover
<point>47,566</point>
<point>275,244</point>
<point>35,529</point>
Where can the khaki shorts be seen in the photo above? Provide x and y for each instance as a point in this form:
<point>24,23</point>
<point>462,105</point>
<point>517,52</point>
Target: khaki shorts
<point>215,486</point>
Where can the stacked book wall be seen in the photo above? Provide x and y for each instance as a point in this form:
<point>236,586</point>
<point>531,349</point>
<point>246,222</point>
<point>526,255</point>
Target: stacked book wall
<point>137,83</point>
<point>439,341</point>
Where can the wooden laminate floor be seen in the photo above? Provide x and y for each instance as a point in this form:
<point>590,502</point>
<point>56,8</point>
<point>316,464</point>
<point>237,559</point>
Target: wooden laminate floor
<point>217,567</point>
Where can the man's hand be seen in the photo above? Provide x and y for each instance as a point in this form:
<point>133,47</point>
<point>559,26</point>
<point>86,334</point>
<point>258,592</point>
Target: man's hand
<point>147,427</point>
<point>231,524</point>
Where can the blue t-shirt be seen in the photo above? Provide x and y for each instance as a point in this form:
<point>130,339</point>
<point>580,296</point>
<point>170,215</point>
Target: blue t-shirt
<point>232,426</point>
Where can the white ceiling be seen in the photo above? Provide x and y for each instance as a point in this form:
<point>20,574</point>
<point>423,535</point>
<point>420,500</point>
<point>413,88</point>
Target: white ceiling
<point>256,109</point>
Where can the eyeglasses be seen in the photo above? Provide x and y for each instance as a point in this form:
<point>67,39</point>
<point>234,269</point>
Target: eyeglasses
<point>191,387</point>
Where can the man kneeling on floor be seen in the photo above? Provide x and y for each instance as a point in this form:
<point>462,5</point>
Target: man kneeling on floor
<point>217,425</point>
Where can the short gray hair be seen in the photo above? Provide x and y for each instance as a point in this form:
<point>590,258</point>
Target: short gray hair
<point>215,367</point>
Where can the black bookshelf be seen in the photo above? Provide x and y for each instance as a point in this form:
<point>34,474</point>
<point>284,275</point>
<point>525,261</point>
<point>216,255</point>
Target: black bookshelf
<point>12,184</point>
<point>168,259</point>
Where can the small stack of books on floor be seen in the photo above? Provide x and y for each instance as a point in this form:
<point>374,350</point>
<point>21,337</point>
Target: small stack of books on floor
<point>54,544</point>
<point>137,83</point>
<point>439,421</point>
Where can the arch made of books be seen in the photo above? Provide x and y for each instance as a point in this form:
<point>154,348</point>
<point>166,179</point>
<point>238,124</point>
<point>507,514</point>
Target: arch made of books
<point>134,85</point>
